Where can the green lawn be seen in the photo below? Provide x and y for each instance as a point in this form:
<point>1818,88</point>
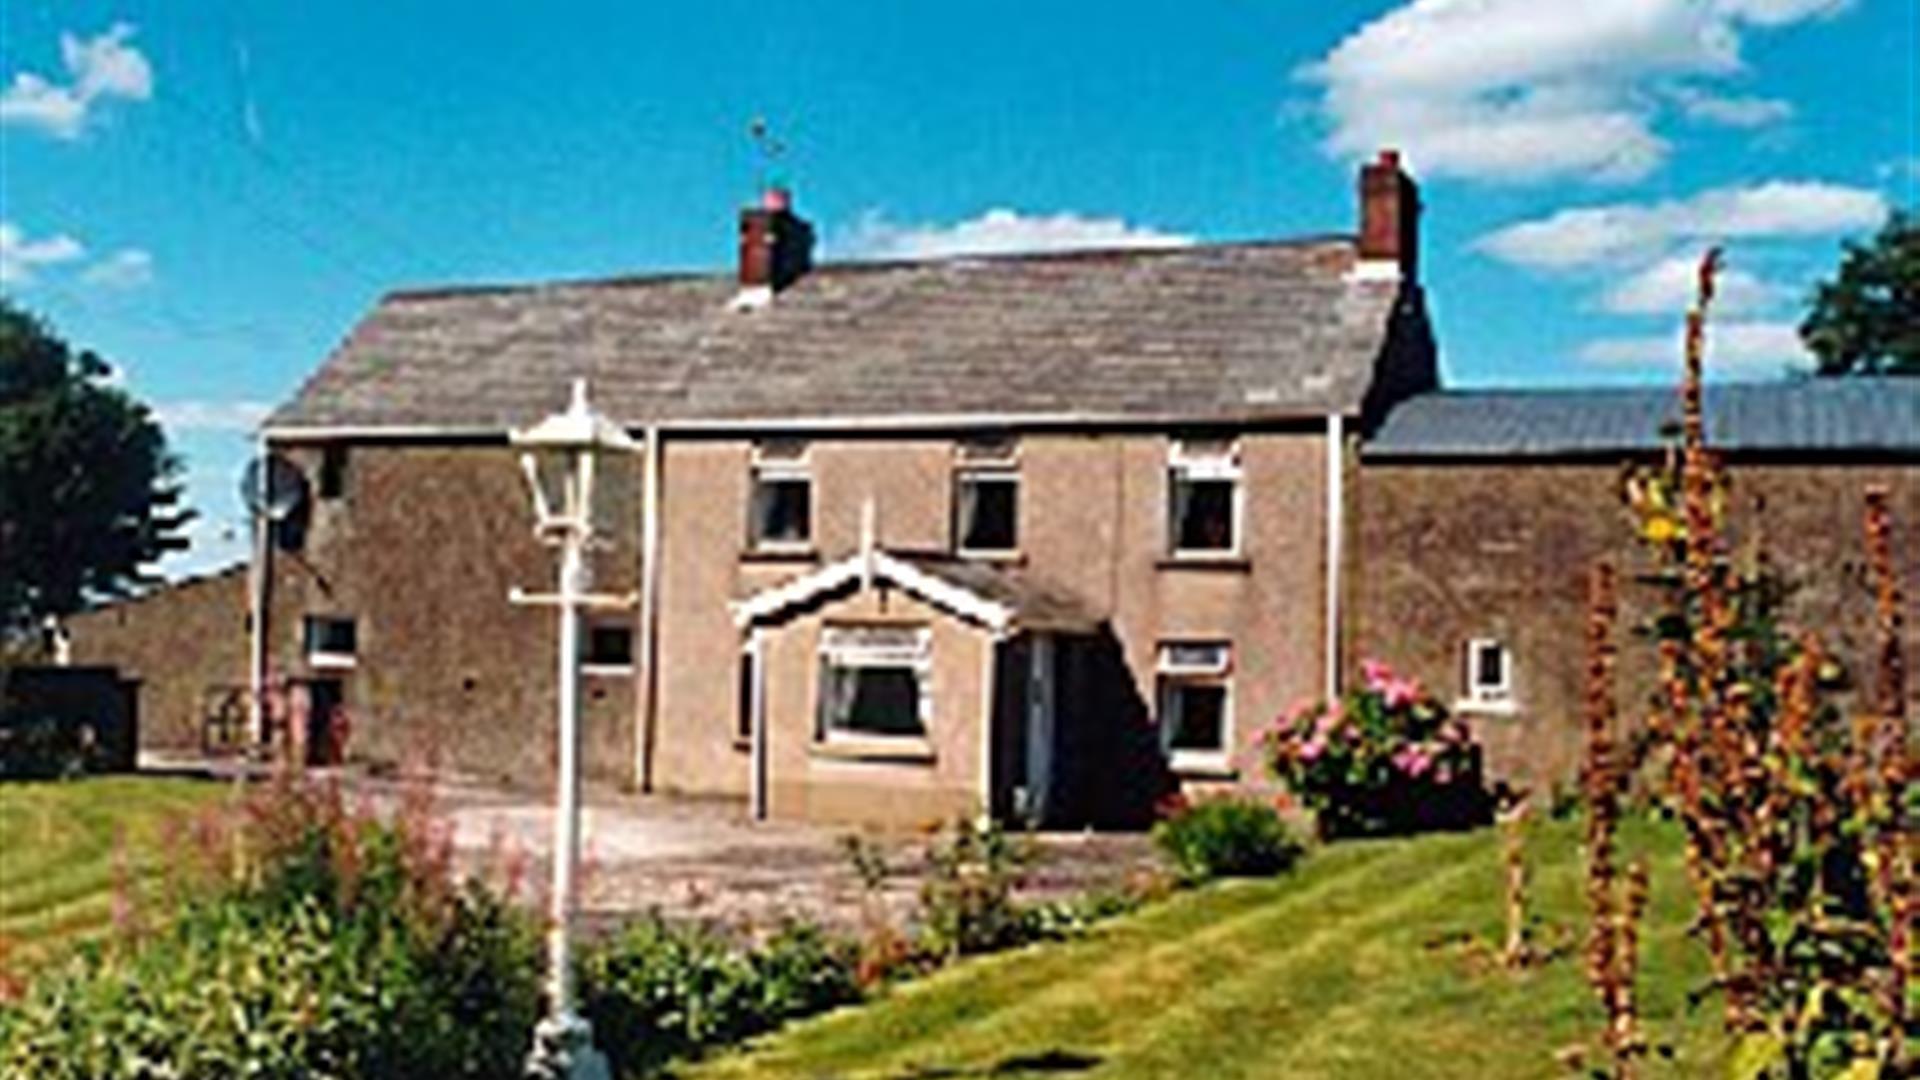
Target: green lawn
<point>57,851</point>
<point>1354,966</point>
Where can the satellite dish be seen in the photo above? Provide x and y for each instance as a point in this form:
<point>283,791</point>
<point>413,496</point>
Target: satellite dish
<point>273,487</point>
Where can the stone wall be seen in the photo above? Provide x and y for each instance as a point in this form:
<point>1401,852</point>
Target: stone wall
<point>186,646</point>
<point>1443,552</point>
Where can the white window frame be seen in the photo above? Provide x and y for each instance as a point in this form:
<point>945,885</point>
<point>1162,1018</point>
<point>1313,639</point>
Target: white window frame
<point>1487,697</point>
<point>1170,672</point>
<point>918,657</point>
<point>770,467</point>
<point>321,658</point>
<point>1183,461</point>
<point>986,460</point>
<point>588,625</point>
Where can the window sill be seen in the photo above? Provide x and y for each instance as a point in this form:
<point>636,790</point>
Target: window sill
<point>1486,708</point>
<point>999,558</point>
<point>607,671</point>
<point>904,751</point>
<point>1190,765</point>
<point>1224,562</point>
<point>805,554</point>
<point>332,661</point>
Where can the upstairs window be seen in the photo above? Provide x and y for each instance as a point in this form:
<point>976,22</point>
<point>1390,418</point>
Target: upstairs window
<point>330,640</point>
<point>1489,672</point>
<point>986,497</point>
<point>607,646</point>
<point>781,510</point>
<point>1195,692</point>
<point>874,682</point>
<point>1203,488</point>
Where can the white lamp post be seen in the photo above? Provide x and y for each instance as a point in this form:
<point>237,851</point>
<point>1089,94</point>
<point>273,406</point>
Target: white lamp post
<point>563,1040</point>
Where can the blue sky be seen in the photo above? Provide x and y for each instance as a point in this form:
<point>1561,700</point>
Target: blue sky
<point>210,194</point>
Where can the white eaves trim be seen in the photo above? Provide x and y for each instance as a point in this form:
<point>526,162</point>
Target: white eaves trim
<point>868,566</point>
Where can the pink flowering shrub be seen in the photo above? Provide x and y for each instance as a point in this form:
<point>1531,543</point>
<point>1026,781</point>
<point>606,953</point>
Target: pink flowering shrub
<point>1385,759</point>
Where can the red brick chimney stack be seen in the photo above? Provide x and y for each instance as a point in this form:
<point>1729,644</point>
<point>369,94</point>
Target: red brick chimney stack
<point>1390,215</point>
<point>776,244</point>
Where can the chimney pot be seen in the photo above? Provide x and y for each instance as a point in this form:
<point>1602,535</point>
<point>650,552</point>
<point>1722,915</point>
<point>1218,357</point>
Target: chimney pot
<point>1390,215</point>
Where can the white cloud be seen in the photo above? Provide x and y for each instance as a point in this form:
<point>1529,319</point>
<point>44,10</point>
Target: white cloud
<point>1625,231</point>
<point>1520,90</point>
<point>20,257</point>
<point>128,268</point>
<point>241,416</point>
<point>998,231</point>
<point>1736,348</point>
<point>1731,111</point>
<point>1667,288</point>
<point>99,68</point>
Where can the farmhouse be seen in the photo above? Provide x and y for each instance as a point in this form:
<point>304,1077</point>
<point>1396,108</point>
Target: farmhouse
<point>1046,535</point>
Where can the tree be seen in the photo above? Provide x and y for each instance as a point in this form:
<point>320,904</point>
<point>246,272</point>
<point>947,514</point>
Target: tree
<point>1866,321</point>
<point>88,491</point>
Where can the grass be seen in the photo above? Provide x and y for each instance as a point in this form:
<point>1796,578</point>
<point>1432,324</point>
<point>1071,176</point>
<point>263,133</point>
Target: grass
<point>60,842</point>
<point>1362,964</point>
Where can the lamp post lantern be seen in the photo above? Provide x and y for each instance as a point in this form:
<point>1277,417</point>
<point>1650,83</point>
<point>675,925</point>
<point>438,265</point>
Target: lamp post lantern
<point>563,518</point>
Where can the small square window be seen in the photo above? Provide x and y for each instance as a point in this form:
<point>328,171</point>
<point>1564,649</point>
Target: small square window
<point>333,471</point>
<point>330,640</point>
<point>986,511</point>
<point>1203,506</point>
<point>607,646</point>
<point>1195,699</point>
<point>1489,672</point>
<point>781,511</point>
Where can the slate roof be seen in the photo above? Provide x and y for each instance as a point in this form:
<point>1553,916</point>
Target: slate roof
<point>1855,415</point>
<point>1214,332</point>
<point>1036,604</point>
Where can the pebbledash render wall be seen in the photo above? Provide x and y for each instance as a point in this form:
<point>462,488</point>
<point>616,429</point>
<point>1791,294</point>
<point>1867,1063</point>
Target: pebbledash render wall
<point>1093,521</point>
<point>425,541</point>
<point>186,645</point>
<point>1448,551</point>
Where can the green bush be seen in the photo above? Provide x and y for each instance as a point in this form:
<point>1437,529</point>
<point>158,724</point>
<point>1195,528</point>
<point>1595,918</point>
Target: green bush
<point>320,943</point>
<point>657,992</point>
<point>45,748</point>
<point>1384,760</point>
<point>1226,837</point>
<point>967,904</point>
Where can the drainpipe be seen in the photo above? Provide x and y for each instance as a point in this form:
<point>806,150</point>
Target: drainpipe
<point>649,611</point>
<point>1335,517</point>
<point>257,574</point>
<point>757,715</point>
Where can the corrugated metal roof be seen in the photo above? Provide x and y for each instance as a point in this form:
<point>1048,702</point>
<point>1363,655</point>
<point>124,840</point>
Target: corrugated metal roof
<point>1851,415</point>
<point>1225,330</point>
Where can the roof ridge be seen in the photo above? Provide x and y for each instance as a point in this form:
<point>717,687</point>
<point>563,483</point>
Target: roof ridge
<point>860,266</point>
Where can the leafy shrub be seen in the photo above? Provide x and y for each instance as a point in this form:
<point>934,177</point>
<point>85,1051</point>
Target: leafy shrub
<point>315,942</point>
<point>967,901</point>
<point>1226,837</point>
<point>45,748</point>
<point>657,992</point>
<point>1384,760</point>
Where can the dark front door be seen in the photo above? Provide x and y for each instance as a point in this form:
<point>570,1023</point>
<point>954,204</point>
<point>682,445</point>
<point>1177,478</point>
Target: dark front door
<point>326,725</point>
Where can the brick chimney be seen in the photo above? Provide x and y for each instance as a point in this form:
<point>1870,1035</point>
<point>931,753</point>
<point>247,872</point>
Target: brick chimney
<point>1390,217</point>
<point>776,244</point>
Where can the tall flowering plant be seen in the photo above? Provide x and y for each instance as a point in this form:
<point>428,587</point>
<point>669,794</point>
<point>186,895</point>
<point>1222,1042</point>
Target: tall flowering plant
<point>1383,759</point>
